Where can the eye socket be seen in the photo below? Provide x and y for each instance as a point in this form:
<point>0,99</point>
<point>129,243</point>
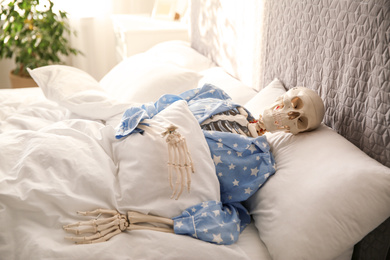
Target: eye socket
<point>296,103</point>
<point>302,122</point>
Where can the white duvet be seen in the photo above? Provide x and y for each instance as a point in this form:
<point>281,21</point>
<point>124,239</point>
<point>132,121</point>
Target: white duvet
<point>53,164</point>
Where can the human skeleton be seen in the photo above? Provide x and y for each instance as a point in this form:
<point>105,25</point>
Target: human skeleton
<point>299,110</point>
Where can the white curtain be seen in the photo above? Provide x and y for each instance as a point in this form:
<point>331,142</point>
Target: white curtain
<point>95,35</point>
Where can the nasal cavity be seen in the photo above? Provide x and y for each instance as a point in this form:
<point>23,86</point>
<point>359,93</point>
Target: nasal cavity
<point>293,114</point>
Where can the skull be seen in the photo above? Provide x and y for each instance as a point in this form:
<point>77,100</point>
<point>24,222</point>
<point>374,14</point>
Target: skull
<point>300,109</point>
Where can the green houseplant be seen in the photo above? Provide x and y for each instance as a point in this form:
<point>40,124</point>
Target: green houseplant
<point>33,34</point>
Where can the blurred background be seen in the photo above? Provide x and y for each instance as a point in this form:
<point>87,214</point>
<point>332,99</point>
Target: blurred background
<point>93,22</point>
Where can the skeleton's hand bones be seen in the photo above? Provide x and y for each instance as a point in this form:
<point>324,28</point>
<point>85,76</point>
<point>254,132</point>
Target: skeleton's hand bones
<point>103,229</point>
<point>179,158</point>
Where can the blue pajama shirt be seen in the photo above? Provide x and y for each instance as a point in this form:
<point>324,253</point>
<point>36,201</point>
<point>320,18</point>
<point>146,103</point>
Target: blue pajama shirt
<point>243,165</point>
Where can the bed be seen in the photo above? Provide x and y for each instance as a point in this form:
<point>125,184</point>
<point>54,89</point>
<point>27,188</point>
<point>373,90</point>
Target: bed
<point>329,197</point>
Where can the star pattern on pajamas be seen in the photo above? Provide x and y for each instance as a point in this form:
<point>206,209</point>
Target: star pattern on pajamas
<point>244,163</point>
<point>213,222</point>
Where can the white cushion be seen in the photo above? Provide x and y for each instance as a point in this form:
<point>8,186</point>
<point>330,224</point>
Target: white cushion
<point>77,91</point>
<point>144,78</point>
<point>143,173</point>
<point>265,97</point>
<point>238,91</point>
<point>181,54</point>
<point>326,195</point>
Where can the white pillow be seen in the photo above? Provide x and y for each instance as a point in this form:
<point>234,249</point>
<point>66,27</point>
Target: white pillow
<point>143,173</point>
<point>238,91</point>
<point>118,75</point>
<point>181,54</point>
<point>77,91</point>
<point>143,78</point>
<point>326,196</point>
<point>265,97</point>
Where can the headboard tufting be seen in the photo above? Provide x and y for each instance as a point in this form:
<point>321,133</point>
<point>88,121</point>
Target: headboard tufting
<point>341,49</point>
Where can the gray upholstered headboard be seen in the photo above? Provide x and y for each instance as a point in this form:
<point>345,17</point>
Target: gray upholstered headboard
<point>340,48</point>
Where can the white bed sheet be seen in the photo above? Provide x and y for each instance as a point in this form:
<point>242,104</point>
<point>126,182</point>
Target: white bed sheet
<point>51,167</point>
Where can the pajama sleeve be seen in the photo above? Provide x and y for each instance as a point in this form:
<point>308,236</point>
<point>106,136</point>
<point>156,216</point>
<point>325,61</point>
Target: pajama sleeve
<point>203,103</point>
<point>213,222</point>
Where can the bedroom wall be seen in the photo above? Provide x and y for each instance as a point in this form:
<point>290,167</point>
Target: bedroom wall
<point>5,67</point>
